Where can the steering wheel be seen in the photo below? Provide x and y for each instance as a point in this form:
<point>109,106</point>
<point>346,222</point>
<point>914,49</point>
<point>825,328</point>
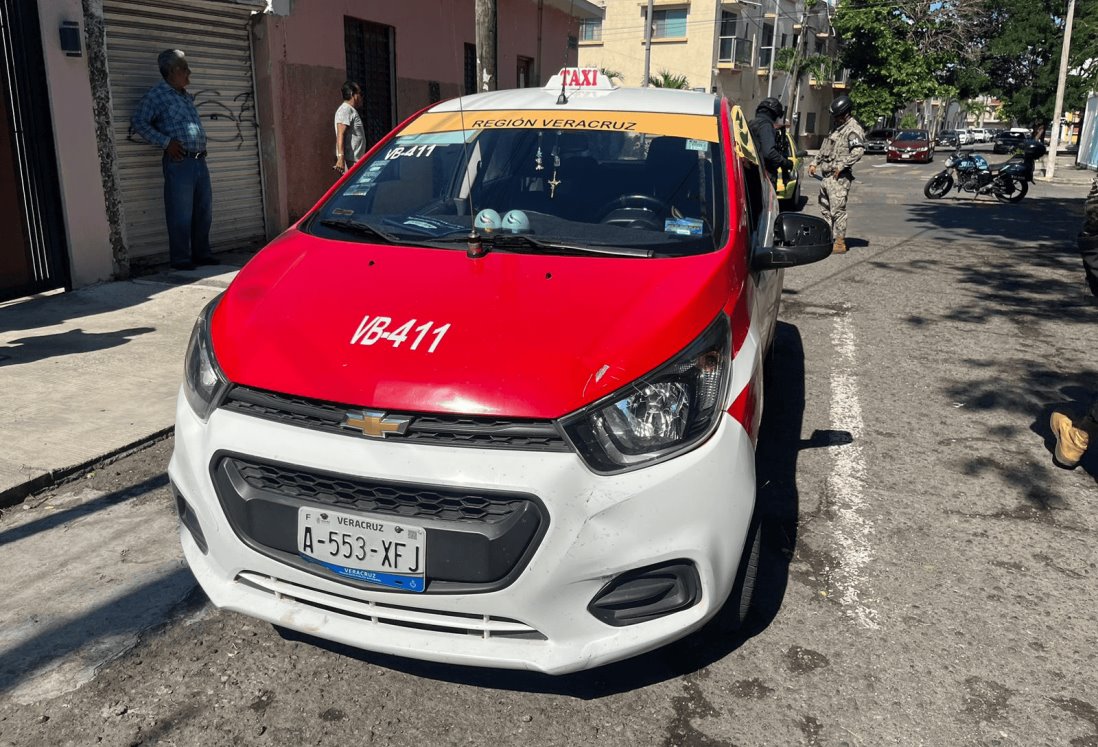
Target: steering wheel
<point>628,210</point>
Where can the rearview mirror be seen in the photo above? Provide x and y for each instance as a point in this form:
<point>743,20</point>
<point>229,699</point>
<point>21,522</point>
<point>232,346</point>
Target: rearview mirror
<point>798,240</point>
<point>801,153</point>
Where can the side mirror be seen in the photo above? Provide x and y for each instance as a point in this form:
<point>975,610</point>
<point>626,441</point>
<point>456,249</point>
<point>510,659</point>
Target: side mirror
<point>798,240</point>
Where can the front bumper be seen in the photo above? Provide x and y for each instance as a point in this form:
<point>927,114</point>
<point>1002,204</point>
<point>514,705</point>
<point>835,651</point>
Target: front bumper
<point>694,508</point>
<point>916,156</point>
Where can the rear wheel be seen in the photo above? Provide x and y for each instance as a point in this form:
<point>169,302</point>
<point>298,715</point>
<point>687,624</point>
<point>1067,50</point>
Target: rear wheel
<point>938,186</point>
<point>1011,189</point>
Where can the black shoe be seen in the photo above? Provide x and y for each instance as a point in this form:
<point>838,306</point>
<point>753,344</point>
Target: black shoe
<point>182,265</point>
<point>211,260</point>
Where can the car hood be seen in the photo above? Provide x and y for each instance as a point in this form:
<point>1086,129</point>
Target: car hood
<point>910,144</point>
<point>516,335</point>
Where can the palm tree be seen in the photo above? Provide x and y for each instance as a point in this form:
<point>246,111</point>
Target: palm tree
<point>667,80</point>
<point>612,75</point>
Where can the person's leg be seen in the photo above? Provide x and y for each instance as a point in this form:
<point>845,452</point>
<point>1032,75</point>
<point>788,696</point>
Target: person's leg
<point>838,207</point>
<point>178,204</point>
<point>202,216</point>
<point>825,203</point>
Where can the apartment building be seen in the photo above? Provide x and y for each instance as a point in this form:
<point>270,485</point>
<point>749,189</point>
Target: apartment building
<point>743,50</point>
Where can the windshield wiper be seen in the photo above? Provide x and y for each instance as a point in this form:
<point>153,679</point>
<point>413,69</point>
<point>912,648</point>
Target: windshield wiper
<point>360,228</point>
<point>522,241</point>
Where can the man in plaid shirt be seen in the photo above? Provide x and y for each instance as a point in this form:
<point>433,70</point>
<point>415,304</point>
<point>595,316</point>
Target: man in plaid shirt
<point>168,119</point>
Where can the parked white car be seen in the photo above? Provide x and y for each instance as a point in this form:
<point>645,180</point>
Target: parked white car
<point>964,137</point>
<point>980,135</point>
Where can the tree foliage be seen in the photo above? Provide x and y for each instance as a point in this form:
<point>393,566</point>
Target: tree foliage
<point>899,52</point>
<point>666,79</point>
<point>1021,59</point>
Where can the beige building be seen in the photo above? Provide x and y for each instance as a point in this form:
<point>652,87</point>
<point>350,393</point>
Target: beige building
<point>726,47</point>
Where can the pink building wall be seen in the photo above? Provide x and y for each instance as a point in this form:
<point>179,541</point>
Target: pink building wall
<point>300,66</point>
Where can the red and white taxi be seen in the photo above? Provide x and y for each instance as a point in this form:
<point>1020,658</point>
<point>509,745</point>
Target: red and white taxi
<point>494,400</point>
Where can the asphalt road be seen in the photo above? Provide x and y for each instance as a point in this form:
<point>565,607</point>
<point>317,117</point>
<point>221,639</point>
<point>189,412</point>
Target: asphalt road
<point>928,576</point>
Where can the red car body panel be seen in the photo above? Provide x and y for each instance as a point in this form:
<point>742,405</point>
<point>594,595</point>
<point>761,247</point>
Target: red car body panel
<point>530,335</point>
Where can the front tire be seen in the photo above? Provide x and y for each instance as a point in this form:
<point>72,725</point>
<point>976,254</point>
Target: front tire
<point>938,186</point>
<point>1019,188</point>
<point>738,606</point>
<point>793,203</point>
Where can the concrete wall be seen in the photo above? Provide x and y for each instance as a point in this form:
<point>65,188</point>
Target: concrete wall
<point>300,66</point>
<point>74,133</point>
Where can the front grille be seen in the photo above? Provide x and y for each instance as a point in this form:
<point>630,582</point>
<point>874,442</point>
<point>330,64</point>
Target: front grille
<point>478,540</point>
<point>426,428</point>
<point>437,621</point>
<point>377,497</point>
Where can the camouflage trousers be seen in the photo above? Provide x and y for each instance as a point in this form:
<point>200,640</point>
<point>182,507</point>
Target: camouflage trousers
<point>833,194</point>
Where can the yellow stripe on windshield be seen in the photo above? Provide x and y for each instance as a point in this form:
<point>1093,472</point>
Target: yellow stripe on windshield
<point>692,126</point>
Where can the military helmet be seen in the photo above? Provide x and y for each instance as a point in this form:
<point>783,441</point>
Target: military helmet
<point>841,106</point>
<point>772,105</point>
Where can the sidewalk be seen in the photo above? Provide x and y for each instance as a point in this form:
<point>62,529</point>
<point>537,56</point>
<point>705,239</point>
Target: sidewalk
<point>93,373</point>
<point>1067,172</point>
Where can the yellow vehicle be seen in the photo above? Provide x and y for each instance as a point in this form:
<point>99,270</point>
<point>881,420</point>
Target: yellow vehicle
<point>788,187</point>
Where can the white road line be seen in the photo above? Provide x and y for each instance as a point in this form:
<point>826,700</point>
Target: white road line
<point>846,483</point>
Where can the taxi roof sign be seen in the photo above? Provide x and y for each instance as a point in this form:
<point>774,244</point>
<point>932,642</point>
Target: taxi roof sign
<point>590,78</point>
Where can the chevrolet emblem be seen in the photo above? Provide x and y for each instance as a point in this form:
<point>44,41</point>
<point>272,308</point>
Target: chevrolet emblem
<point>375,424</point>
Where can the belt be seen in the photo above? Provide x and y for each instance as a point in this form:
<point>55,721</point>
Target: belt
<point>196,154</point>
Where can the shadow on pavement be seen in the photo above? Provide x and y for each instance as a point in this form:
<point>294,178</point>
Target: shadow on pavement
<point>1034,391</point>
<point>777,499</point>
<point>1036,219</point>
<point>31,349</point>
<point>64,516</point>
<point>95,633</point>
<point>39,312</point>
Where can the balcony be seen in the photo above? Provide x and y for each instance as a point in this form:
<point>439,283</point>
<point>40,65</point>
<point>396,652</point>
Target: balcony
<point>734,53</point>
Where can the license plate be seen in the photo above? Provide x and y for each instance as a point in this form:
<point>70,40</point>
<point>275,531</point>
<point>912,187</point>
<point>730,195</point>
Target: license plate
<point>364,548</point>
<point>906,155</point>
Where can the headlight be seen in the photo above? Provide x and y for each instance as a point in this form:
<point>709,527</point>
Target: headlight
<point>203,382</point>
<point>660,415</point>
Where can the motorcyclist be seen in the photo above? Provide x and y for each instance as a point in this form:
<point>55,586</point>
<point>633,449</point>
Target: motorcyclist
<point>841,149</point>
<point>763,130</point>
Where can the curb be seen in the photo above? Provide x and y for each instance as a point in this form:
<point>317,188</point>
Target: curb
<point>16,494</point>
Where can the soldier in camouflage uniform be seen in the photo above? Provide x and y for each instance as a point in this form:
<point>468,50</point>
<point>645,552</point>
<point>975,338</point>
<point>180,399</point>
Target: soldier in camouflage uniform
<point>842,148</point>
<point>1073,437</point>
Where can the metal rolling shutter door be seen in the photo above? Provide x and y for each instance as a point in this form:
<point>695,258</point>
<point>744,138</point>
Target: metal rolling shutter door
<point>215,37</point>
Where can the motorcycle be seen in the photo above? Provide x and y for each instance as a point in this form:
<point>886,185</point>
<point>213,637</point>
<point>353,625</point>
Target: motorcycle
<point>970,172</point>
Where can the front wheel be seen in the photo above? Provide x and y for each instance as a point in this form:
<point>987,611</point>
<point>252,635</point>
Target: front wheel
<point>938,186</point>
<point>1011,189</point>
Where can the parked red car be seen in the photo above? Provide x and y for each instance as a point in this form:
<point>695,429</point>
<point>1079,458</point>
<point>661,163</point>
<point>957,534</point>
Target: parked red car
<point>911,145</point>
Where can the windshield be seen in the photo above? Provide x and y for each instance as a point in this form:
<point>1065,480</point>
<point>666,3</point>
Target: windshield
<point>913,135</point>
<point>658,193</point>
<point>879,134</point>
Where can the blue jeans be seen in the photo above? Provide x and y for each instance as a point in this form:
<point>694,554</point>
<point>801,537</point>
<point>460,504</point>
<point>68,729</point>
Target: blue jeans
<point>188,207</point>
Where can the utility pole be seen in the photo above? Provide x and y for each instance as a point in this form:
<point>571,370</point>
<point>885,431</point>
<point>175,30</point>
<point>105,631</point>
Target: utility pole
<point>648,44</point>
<point>1054,139</point>
<point>487,80</point>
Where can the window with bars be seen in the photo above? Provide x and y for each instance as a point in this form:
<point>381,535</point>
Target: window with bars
<point>668,24</point>
<point>369,54</point>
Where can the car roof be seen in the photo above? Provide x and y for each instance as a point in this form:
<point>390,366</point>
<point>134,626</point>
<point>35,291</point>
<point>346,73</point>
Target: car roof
<point>658,100</point>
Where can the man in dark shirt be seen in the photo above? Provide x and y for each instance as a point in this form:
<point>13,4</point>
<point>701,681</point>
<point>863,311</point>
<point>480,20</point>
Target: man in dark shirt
<point>762,127</point>
<point>168,119</point>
